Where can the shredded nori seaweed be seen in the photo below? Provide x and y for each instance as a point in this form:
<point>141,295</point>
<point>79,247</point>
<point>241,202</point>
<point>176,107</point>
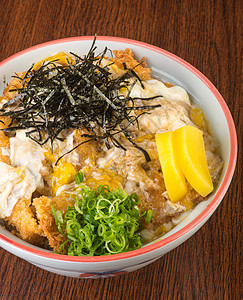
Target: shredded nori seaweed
<point>79,95</point>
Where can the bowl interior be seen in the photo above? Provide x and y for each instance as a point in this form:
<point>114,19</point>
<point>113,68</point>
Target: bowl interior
<point>167,67</point>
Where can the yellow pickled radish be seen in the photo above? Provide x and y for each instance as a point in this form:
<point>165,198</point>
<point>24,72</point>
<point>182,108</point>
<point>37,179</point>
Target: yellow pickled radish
<point>174,179</point>
<point>191,157</point>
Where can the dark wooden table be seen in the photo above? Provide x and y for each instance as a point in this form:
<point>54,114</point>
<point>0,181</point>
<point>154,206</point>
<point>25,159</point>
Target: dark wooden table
<point>208,35</point>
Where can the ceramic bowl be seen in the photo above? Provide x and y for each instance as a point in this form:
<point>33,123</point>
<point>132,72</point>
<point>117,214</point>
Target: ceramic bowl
<point>168,67</point>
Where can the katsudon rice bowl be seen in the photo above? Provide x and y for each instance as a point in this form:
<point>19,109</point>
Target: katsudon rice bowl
<point>112,153</point>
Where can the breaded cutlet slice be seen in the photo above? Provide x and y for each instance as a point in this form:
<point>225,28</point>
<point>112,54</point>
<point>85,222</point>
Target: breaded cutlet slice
<point>46,219</point>
<point>15,83</point>
<point>127,57</point>
<point>23,219</point>
<point>4,140</point>
<point>4,148</point>
<point>4,121</point>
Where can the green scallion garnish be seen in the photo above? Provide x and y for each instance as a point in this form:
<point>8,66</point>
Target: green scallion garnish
<point>79,177</point>
<point>101,222</point>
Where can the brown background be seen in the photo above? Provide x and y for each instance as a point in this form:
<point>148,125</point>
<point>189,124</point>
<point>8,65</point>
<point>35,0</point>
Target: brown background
<point>208,35</point>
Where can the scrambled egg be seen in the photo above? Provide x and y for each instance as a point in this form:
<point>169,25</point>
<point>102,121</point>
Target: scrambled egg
<point>25,152</point>
<point>15,183</point>
<point>64,173</point>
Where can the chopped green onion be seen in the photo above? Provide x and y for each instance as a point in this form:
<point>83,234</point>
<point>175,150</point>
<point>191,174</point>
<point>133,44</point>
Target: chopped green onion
<point>101,222</point>
<point>79,177</point>
<point>148,216</point>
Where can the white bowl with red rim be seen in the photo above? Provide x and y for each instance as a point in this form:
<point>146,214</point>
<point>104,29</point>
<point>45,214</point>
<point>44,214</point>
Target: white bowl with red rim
<point>170,68</point>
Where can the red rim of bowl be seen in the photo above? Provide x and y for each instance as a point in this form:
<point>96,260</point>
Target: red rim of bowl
<point>211,206</point>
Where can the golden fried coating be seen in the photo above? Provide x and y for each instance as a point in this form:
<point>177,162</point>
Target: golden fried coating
<point>127,57</point>
<point>4,122</point>
<point>4,146</point>
<point>16,82</point>
<point>46,219</point>
<point>22,218</point>
<point>168,84</point>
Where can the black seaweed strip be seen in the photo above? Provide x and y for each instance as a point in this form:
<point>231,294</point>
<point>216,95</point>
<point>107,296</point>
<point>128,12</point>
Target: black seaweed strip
<point>106,108</point>
<point>72,150</point>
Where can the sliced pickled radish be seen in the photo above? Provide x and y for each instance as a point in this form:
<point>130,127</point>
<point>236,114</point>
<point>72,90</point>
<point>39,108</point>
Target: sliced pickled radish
<point>174,179</point>
<point>190,154</point>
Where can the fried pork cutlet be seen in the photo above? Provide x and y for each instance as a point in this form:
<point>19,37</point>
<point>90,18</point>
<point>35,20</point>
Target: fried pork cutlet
<point>4,148</point>
<point>127,57</point>
<point>4,121</point>
<point>4,140</point>
<point>15,83</point>
<point>23,219</point>
<point>46,219</point>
